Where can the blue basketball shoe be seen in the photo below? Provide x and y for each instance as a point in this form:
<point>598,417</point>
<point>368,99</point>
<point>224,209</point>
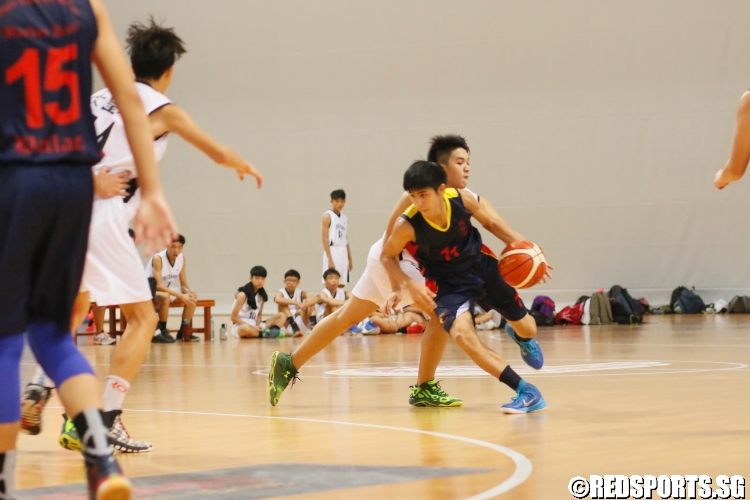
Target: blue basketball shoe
<point>528,399</point>
<point>530,350</point>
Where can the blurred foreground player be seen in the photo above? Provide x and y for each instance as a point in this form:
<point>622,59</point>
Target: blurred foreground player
<point>737,163</point>
<point>47,147</point>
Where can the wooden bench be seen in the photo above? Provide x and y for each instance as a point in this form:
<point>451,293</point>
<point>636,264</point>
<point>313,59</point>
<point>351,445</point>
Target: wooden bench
<point>114,329</point>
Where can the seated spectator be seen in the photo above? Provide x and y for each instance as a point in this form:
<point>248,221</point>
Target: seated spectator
<point>247,312</point>
<point>294,306</point>
<point>331,297</point>
<point>406,320</point>
<point>168,269</point>
<point>486,320</point>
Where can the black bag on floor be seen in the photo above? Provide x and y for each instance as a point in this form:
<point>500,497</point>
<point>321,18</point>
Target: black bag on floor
<point>625,309</point>
<point>685,301</point>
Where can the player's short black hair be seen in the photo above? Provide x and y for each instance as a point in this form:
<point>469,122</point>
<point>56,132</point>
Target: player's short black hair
<point>338,194</point>
<point>258,271</point>
<point>180,238</point>
<point>293,273</point>
<point>153,48</point>
<point>424,174</point>
<point>131,233</point>
<point>442,146</point>
<point>330,272</point>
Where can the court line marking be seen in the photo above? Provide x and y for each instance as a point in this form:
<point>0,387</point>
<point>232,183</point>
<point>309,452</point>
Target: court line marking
<point>520,474</point>
<point>497,336</point>
<point>654,371</point>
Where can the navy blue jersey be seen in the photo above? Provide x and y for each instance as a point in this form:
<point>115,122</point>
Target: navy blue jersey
<point>447,255</point>
<point>45,82</point>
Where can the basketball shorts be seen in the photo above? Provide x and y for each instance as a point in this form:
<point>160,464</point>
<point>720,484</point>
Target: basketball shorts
<point>340,257</point>
<point>44,224</point>
<point>114,271</point>
<point>497,294</point>
<point>374,284</point>
<point>236,327</point>
<point>451,305</point>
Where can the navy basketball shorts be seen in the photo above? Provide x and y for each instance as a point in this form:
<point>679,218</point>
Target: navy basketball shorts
<point>45,212</point>
<point>453,302</point>
<point>498,294</point>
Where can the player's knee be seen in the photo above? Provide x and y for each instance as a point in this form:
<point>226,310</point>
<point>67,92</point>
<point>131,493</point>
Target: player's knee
<point>55,350</point>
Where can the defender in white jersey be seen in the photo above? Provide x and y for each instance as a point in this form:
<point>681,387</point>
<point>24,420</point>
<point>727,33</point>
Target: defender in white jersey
<point>247,311</point>
<point>153,51</point>
<point>331,297</point>
<point>336,252</point>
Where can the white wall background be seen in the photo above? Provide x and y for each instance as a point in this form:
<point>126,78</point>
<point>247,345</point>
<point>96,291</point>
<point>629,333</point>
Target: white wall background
<point>595,128</point>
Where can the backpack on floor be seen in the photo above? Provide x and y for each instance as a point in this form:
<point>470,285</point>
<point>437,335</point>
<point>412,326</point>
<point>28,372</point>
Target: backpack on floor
<point>543,310</point>
<point>625,309</point>
<point>685,301</point>
<point>601,310</point>
<point>570,315</point>
<point>740,304</point>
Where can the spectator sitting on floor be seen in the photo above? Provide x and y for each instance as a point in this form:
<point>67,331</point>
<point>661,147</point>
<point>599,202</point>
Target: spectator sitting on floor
<point>249,300</point>
<point>294,305</point>
<point>486,320</point>
<point>406,320</point>
<point>331,297</point>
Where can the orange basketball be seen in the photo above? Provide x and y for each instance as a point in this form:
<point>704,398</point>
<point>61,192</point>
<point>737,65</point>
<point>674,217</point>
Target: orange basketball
<point>522,264</point>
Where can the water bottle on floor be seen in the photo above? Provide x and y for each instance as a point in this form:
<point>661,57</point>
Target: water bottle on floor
<point>223,332</point>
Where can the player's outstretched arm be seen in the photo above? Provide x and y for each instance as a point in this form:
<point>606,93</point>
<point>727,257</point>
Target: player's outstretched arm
<point>737,164</point>
<point>172,118</point>
<point>154,222</point>
<point>487,216</point>
<point>403,233</point>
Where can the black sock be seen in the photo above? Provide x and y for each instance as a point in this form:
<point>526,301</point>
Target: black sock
<point>293,324</point>
<point>510,378</point>
<point>162,326</point>
<point>7,473</point>
<point>313,320</point>
<point>90,426</point>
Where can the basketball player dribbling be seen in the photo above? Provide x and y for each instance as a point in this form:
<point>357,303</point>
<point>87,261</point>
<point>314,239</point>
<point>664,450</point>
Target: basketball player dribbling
<point>375,291</point>
<point>450,249</point>
<point>47,146</point>
<point>113,272</point>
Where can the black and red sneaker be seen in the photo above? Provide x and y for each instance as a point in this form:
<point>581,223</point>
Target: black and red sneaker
<point>33,403</point>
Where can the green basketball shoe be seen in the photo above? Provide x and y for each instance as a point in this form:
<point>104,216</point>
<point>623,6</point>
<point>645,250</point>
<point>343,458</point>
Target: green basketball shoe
<point>282,372</point>
<point>431,394</point>
<point>69,438</point>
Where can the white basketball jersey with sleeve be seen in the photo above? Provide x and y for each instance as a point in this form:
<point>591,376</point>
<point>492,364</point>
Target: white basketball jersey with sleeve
<point>170,273</point>
<point>320,309</point>
<point>110,129</point>
<point>337,230</point>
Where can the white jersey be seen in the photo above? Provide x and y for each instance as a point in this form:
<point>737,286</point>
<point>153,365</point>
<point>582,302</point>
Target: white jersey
<point>320,309</point>
<point>337,230</point>
<point>170,273</point>
<point>297,297</point>
<point>250,316</point>
<point>110,129</point>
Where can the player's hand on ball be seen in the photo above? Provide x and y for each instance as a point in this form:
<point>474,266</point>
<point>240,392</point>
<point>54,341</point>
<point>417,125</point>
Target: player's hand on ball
<point>155,226</point>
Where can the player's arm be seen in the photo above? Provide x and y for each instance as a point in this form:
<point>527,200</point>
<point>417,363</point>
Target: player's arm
<point>403,233</point>
<point>283,301</point>
<point>487,216</point>
<point>403,203</point>
<point>737,164</point>
<point>173,118</point>
<point>154,221</point>
<point>160,286</point>
<point>184,288</point>
<point>349,254</point>
<point>323,298</point>
<point>108,185</point>
<point>239,301</point>
<point>326,225</point>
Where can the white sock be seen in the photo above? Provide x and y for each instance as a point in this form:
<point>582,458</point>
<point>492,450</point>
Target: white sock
<point>41,378</point>
<point>115,390</point>
<point>7,473</point>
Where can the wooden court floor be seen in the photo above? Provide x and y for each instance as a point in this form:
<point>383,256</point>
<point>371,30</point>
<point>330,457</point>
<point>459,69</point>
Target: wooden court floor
<point>668,397</point>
